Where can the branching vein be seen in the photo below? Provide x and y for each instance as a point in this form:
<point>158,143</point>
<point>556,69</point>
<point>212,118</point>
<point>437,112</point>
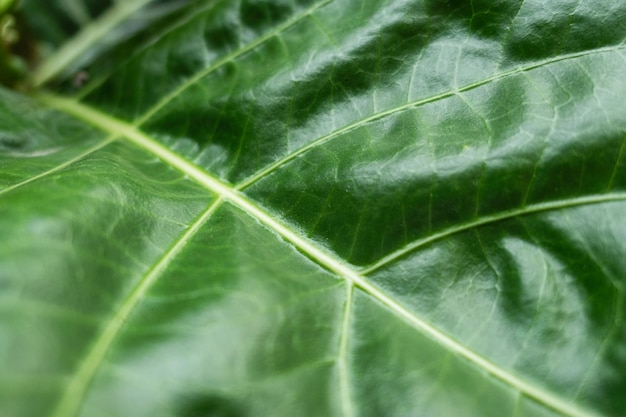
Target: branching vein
<point>505,215</point>
<point>228,58</point>
<point>414,104</point>
<point>74,394</point>
<point>59,167</point>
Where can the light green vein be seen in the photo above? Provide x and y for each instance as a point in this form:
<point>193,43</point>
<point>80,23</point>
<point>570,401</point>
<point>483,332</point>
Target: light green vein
<point>344,349</point>
<point>618,161</point>
<point>226,59</point>
<point>413,104</point>
<point>59,167</point>
<point>77,387</point>
<point>81,43</point>
<point>321,256</point>
<point>505,215</point>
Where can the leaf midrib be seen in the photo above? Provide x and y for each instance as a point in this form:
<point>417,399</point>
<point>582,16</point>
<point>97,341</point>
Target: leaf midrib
<point>133,134</point>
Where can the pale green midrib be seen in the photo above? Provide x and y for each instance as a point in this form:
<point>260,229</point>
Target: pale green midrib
<point>61,166</point>
<point>413,104</point>
<point>77,387</point>
<point>323,258</point>
<point>506,215</point>
<point>84,40</point>
<point>221,62</point>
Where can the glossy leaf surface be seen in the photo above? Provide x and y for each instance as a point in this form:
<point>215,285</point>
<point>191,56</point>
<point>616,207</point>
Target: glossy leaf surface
<point>322,208</point>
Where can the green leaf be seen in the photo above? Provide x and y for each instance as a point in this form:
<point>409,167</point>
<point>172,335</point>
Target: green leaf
<point>320,208</point>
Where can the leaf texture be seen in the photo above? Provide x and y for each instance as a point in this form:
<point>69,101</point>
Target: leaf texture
<point>321,208</point>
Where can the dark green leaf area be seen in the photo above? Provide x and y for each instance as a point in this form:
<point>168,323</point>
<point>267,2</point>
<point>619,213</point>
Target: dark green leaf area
<point>73,243</point>
<point>546,29</point>
<point>209,405</point>
<point>551,278</point>
<point>236,320</point>
<point>486,18</point>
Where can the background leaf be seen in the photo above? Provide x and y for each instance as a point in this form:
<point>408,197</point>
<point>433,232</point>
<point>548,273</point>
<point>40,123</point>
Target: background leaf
<point>321,208</point>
